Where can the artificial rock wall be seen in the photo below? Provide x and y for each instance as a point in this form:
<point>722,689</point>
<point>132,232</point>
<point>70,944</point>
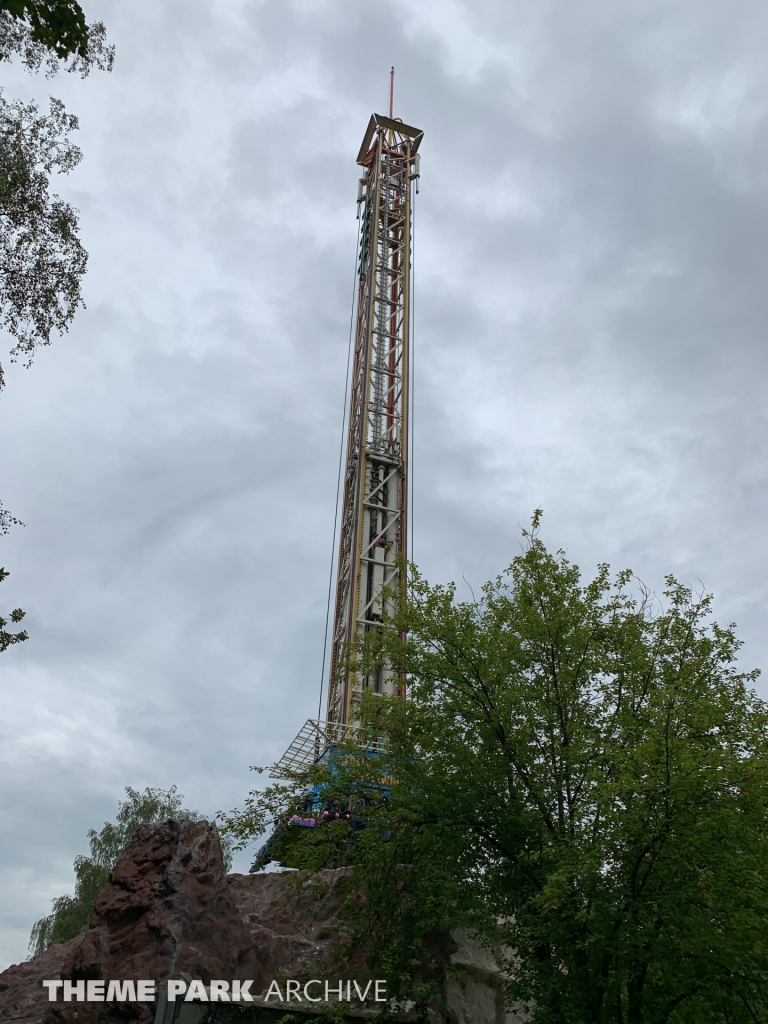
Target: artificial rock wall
<point>170,911</point>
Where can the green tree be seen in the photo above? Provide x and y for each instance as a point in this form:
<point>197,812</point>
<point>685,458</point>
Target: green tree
<point>56,25</point>
<point>7,638</point>
<point>71,914</point>
<point>42,261</point>
<point>580,772</point>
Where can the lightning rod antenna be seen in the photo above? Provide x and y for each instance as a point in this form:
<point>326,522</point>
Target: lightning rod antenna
<point>392,91</point>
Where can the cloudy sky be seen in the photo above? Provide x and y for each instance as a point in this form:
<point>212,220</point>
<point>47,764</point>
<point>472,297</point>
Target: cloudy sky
<point>591,314</point>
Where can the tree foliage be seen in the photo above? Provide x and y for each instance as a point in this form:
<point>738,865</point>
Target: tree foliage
<point>581,773</point>
<point>52,33</point>
<point>7,637</point>
<point>58,25</point>
<point>42,261</point>
<point>70,914</point>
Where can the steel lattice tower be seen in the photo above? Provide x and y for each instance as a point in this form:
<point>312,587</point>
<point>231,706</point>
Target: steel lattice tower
<point>374,525</point>
<point>374,511</point>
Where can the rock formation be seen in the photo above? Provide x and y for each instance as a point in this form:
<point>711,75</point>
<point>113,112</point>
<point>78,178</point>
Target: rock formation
<point>170,911</point>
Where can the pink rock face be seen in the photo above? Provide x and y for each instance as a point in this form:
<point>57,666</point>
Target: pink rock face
<point>168,908</point>
<point>22,996</point>
<point>293,920</point>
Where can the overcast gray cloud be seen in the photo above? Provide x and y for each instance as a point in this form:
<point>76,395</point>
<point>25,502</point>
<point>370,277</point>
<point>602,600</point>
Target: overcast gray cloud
<point>591,313</point>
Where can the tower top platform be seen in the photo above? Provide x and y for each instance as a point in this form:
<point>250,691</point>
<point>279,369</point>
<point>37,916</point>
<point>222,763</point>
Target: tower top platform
<point>391,124</point>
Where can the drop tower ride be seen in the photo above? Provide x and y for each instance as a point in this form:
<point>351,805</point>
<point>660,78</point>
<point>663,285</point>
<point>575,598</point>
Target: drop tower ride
<point>374,511</point>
